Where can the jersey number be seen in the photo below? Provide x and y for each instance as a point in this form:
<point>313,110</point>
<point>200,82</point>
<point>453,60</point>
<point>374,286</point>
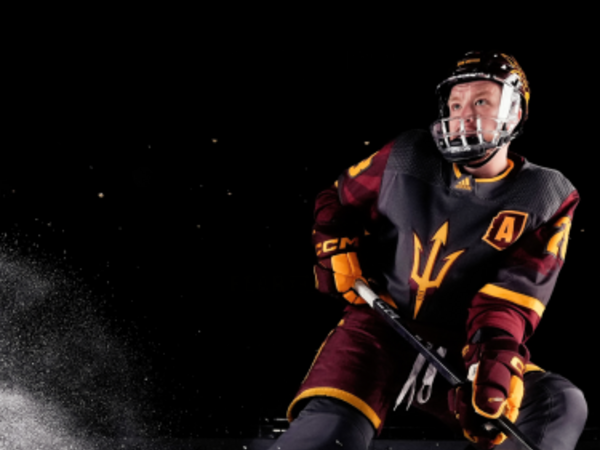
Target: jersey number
<point>361,166</point>
<point>559,241</point>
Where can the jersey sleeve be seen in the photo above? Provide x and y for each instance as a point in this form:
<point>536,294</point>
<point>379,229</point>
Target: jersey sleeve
<point>352,200</point>
<point>515,301</point>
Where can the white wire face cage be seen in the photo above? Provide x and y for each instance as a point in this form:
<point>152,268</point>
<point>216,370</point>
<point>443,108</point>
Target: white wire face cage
<point>464,145</point>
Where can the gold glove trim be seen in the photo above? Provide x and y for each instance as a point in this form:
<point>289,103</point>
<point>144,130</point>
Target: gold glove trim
<point>529,367</point>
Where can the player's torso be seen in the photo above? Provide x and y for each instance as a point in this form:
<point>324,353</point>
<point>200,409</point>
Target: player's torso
<point>442,235</point>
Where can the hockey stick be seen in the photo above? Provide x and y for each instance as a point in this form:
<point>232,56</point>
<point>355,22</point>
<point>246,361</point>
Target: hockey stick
<point>392,318</point>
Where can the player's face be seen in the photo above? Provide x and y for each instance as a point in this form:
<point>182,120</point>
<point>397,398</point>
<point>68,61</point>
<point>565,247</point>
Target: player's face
<point>468,101</point>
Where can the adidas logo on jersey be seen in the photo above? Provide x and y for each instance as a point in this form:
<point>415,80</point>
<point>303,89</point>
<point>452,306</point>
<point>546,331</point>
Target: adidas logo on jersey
<point>463,184</point>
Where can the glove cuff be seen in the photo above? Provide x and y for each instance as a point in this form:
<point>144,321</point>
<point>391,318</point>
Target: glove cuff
<point>504,349</point>
<point>499,375</point>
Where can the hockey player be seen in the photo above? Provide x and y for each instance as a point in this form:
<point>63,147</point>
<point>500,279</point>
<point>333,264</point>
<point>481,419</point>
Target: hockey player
<point>466,240</point>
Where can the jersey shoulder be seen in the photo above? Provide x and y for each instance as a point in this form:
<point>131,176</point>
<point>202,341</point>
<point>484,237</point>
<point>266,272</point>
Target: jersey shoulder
<point>414,153</point>
<point>540,189</point>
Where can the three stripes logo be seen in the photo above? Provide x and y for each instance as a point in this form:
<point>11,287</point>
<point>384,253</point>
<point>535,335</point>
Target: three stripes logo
<point>464,184</point>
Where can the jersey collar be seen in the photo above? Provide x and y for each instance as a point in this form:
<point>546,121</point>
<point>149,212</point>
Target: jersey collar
<point>459,174</point>
<point>463,183</point>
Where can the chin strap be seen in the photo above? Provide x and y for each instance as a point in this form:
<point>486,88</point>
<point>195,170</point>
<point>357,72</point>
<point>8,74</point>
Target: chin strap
<point>484,162</point>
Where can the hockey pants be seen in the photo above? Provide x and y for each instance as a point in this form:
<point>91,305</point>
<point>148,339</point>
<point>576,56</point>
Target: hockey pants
<point>553,415</point>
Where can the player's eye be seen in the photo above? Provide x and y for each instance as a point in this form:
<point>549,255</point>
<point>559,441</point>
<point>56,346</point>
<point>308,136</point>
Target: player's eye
<point>454,106</point>
<point>480,102</point>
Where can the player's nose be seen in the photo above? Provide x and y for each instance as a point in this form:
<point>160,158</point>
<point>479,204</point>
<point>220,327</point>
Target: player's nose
<point>467,112</point>
<point>469,117</point>
<point>470,122</point>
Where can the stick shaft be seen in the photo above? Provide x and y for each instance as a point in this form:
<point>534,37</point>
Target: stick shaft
<point>393,319</point>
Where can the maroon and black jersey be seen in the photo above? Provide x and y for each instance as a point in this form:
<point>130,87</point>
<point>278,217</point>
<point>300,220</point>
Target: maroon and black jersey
<point>451,249</point>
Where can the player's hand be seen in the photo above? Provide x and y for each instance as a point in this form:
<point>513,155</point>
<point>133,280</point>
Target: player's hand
<point>496,370</point>
<point>337,267</point>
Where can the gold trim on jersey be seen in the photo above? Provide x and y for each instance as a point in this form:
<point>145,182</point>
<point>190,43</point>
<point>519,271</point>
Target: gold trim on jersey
<point>514,297</point>
<point>347,397</point>
<point>511,166</point>
<point>457,172</point>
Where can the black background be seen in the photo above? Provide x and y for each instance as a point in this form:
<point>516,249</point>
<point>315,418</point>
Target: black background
<point>170,163</point>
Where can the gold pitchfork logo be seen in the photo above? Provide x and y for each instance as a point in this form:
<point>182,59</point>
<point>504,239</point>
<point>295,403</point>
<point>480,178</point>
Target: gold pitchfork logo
<point>424,281</point>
